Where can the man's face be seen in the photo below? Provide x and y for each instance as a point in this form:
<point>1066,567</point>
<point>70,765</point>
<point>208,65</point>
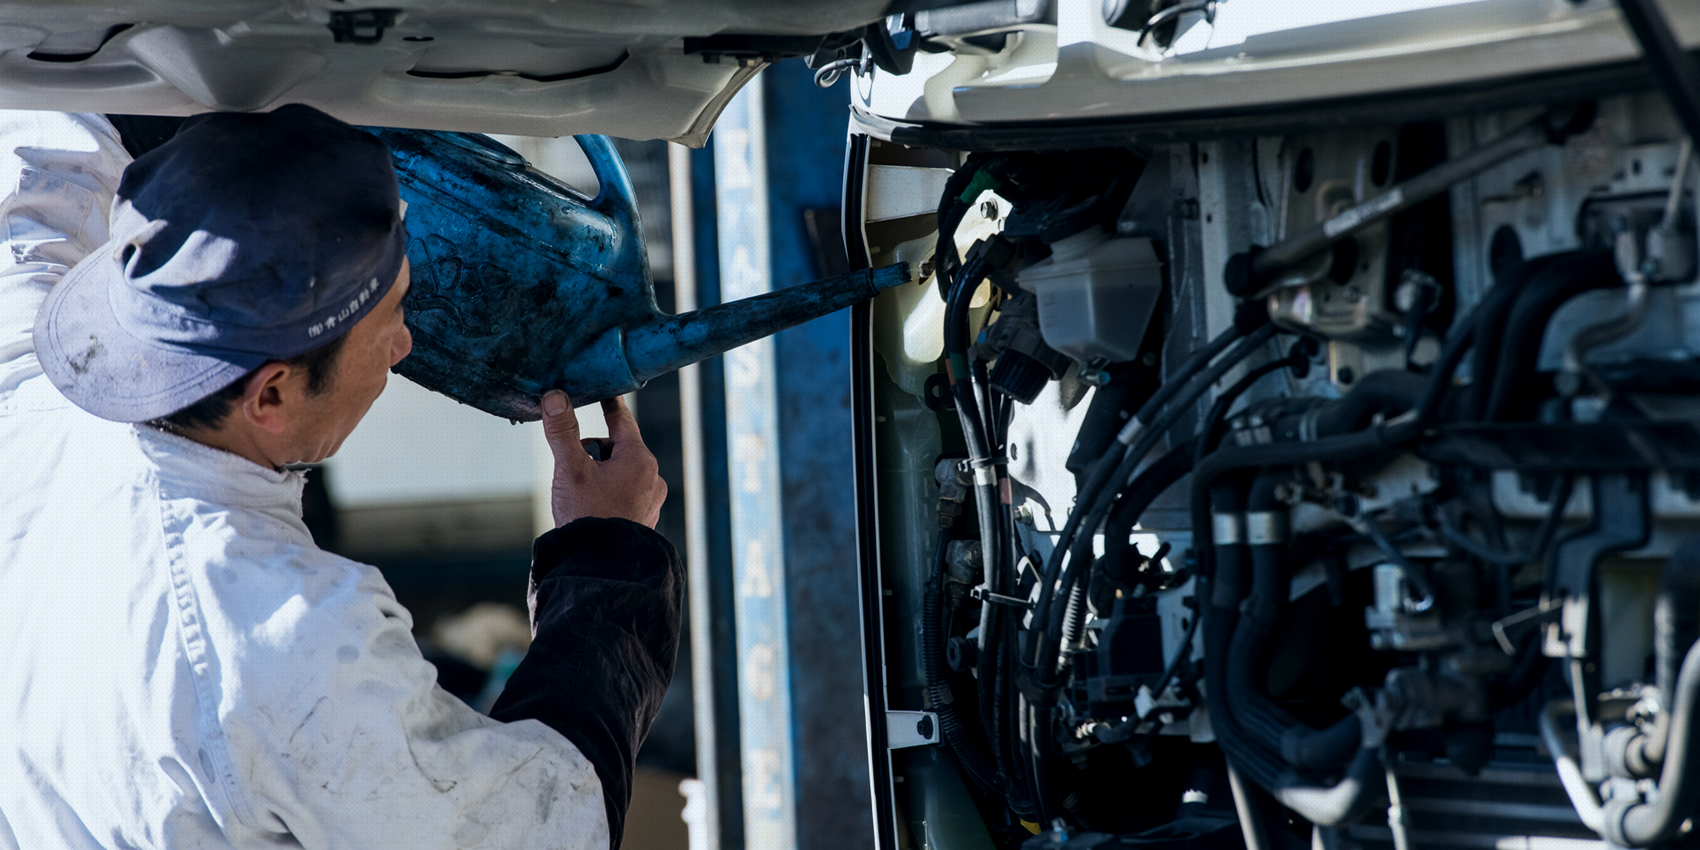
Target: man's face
<point>360,370</point>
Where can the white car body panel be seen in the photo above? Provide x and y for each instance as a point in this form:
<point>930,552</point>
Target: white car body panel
<point>1258,54</point>
<point>529,67</point>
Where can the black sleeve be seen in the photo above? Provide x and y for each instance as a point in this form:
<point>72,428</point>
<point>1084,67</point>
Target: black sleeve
<point>605,597</point>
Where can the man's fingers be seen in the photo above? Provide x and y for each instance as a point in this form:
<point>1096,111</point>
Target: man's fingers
<point>560,425</point>
<point>621,424</point>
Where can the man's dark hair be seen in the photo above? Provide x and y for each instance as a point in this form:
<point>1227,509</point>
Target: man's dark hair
<point>210,412</point>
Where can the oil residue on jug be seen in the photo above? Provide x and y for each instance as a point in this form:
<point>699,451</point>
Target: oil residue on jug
<point>521,284</point>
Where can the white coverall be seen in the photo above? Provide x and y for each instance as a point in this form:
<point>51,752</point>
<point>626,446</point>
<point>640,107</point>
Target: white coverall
<point>179,665</point>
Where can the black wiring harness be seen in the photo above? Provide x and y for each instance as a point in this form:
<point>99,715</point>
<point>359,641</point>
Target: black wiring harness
<point>1032,609</point>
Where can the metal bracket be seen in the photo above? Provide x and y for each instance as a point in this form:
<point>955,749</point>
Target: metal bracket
<point>1621,521</point>
<point>1510,630</point>
<point>1263,528</point>
<point>910,729</point>
<point>981,594</point>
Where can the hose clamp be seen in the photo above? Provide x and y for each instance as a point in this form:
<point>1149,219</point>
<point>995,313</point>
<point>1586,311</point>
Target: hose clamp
<point>1227,529</point>
<point>986,469</point>
<point>1130,431</point>
<point>1263,528</point>
<point>1307,424</point>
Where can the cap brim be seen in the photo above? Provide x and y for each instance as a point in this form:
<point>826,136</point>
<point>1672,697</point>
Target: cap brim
<point>105,370</point>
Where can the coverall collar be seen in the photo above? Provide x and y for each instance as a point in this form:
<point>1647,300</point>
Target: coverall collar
<point>218,476</point>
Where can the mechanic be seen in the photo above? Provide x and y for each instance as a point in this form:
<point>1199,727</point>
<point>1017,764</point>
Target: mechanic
<point>180,666</point>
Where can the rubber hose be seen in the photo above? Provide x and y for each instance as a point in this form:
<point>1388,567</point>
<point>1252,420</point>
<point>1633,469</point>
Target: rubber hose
<point>951,211</point>
<point>1582,795</point>
<point>1256,762</point>
<point>1231,566</point>
<point>1036,723</point>
<point>1487,322</point>
<point>1091,506</point>
<point>1356,793</point>
<point>1162,474</point>
<point>991,701</point>
<point>1568,276</point>
<point>1381,438</point>
<point>1482,328</point>
<point>1111,405</point>
<point>1102,470</point>
<point>1389,392</point>
<point>1244,662</point>
<point>1012,762</point>
<point>1323,749</point>
<point>1526,672</point>
<point>1631,823</point>
<point>1256,627</point>
<point>1074,618</point>
<point>1298,744</point>
<point>1079,551</point>
<point>1184,373</point>
<point>1143,442</point>
<point>1268,593</point>
<point>1221,613</point>
<point>1142,445</point>
<point>1209,433</point>
<point>1350,799</point>
<point>974,763</point>
<point>1676,626</point>
<point>985,504</point>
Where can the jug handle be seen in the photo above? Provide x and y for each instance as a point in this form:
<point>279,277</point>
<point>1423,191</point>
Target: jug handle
<point>614,196</point>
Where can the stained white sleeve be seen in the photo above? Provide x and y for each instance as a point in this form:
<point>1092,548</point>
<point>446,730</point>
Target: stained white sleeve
<point>58,172</point>
<point>338,735</point>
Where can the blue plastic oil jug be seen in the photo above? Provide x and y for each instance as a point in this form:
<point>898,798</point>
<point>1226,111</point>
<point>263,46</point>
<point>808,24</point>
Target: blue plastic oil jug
<point>522,284</point>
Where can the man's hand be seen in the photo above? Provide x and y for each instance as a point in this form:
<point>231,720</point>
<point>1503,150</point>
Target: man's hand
<point>626,485</point>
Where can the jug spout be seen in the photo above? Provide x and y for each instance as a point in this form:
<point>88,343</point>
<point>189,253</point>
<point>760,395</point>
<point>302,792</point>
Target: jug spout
<point>666,345</point>
<point>623,360</point>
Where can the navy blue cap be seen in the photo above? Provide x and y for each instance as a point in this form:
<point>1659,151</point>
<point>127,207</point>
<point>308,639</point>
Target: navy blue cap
<point>245,238</point>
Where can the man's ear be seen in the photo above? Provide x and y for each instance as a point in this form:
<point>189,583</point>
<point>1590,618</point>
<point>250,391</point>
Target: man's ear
<point>265,397</point>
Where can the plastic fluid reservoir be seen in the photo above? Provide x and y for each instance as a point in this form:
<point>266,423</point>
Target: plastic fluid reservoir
<point>1096,295</point>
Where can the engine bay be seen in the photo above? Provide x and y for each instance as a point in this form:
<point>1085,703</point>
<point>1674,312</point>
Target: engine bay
<point>1334,488</point>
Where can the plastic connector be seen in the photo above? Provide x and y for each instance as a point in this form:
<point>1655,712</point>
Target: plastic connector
<point>983,180</point>
<point>1019,376</point>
